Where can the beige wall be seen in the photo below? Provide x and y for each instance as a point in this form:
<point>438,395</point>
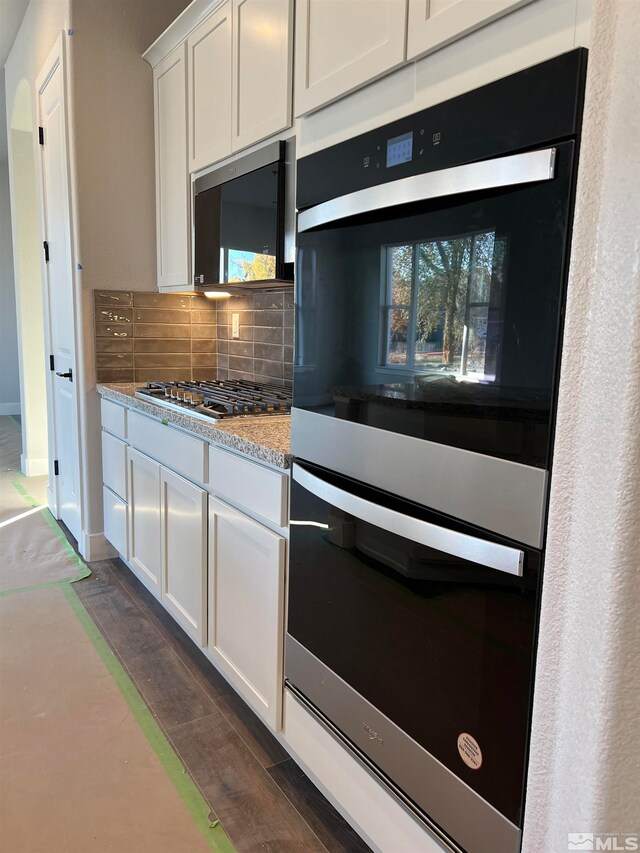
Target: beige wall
<point>584,771</point>
<point>112,98</point>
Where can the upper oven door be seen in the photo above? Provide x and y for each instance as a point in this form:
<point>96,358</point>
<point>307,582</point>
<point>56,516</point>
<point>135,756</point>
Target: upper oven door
<point>431,306</point>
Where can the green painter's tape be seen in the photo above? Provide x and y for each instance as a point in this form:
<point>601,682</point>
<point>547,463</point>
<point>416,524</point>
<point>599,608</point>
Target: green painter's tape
<point>20,489</point>
<point>216,837</point>
<point>16,422</point>
<point>83,569</point>
<point>165,422</point>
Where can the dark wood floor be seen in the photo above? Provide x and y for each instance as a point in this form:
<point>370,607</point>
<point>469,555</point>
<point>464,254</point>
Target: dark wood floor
<point>261,797</point>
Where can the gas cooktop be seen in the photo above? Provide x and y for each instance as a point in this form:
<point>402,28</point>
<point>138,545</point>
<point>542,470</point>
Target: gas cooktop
<point>219,398</point>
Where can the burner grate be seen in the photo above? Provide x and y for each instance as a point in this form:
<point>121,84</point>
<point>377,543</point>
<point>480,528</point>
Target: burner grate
<point>217,398</point>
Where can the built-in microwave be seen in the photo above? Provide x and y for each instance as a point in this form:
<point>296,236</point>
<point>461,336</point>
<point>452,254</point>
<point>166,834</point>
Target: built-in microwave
<point>243,221</point>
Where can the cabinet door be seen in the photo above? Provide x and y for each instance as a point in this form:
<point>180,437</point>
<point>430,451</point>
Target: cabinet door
<point>342,44</point>
<point>172,175</point>
<point>246,607</point>
<point>144,519</point>
<point>184,553</point>
<point>209,63</point>
<point>434,23</point>
<point>262,49</point>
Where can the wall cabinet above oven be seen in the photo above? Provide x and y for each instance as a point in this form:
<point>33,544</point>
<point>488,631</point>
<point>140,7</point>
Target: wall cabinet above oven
<point>222,77</point>
<point>343,46</point>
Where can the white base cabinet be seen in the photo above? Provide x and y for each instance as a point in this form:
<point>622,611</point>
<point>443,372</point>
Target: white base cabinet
<point>144,519</point>
<point>246,607</point>
<point>184,553</point>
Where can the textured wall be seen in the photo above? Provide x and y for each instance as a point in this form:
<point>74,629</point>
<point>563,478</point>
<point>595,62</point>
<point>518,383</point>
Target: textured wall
<point>584,771</point>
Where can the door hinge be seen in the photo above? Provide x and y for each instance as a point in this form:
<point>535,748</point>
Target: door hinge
<point>41,135</point>
<point>52,363</point>
<point>56,467</point>
<point>45,246</point>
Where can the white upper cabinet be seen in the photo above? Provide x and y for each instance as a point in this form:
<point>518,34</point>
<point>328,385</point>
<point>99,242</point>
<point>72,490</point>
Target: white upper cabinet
<point>172,178</point>
<point>209,58</point>
<point>262,68</point>
<point>435,23</point>
<point>343,44</point>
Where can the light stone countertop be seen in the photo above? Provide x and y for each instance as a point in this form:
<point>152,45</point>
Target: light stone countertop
<point>266,438</point>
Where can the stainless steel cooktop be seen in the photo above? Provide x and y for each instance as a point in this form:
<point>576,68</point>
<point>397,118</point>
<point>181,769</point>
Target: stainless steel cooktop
<point>219,398</point>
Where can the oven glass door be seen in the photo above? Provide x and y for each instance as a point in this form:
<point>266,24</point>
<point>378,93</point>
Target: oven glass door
<point>439,318</point>
<point>435,640</point>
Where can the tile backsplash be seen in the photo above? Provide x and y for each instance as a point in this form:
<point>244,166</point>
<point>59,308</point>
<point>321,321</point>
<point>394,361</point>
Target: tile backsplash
<point>263,350</point>
<point>146,336</point>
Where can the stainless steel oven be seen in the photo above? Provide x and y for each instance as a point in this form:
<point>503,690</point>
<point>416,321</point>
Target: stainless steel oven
<point>430,283</point>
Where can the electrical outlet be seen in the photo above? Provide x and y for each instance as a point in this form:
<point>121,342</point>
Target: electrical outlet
<point>235,326</point>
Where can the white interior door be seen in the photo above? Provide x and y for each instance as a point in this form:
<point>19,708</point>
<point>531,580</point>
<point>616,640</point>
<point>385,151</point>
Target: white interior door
<point>63,405</point>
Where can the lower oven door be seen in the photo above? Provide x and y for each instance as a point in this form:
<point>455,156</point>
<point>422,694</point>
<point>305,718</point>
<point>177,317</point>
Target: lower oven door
<point>414,636</point>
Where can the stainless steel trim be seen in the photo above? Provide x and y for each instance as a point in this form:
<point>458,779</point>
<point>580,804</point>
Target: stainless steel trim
<point>242,166</point>
<point>487,554</point>
<point>447,801</point>
<point>500,496</point>
<point>471,177</point>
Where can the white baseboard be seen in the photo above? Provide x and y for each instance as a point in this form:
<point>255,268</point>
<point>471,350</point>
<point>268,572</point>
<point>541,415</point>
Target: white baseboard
<point>95,546</point>
<point>31,467</point>
<point>9,408</point>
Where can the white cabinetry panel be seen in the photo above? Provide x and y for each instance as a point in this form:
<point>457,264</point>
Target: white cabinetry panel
<point>342,44</point>
<point>209,72</point>
<point>144,519</point>
<point>435,23</point>
<point>114,418</point>
<point>184,553</point>
<point>172,178</point>
<point>114,464</point>
<point>115,521</point>
<point>262,491</point>
<point>262,35</point>
<point>246,607</point>
<point>184,453</point>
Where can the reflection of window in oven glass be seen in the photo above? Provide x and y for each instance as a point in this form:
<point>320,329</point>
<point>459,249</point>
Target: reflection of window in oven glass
<point>239,265</point>
<point>442,307</point>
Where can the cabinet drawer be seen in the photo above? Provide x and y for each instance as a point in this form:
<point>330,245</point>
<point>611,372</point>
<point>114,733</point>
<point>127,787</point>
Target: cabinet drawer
<point>258,489</point>
<point>115,522</point>
<point>114,464</point>
<point>114,418</point>
<point>178,451</point>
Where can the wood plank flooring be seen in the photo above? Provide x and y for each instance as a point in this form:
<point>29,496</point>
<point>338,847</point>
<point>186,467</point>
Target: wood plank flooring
<point>262,798</point>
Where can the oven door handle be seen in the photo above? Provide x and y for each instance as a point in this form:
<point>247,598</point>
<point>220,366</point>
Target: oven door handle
<point>471,177</point>
<point>488,554</point>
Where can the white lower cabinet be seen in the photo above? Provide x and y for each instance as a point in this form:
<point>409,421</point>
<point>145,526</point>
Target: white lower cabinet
<point>115,521</point>
<point>144,519</point>
<point>246,607</point>
<point>184,553</point>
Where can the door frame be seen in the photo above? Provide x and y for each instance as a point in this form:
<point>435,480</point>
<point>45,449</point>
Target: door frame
<point>58,59</point>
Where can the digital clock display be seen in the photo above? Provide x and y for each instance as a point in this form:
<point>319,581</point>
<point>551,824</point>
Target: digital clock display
<point>399,149</point>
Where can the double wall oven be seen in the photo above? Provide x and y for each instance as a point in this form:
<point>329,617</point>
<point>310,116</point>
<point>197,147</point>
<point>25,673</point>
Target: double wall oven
<point>431,271</point>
